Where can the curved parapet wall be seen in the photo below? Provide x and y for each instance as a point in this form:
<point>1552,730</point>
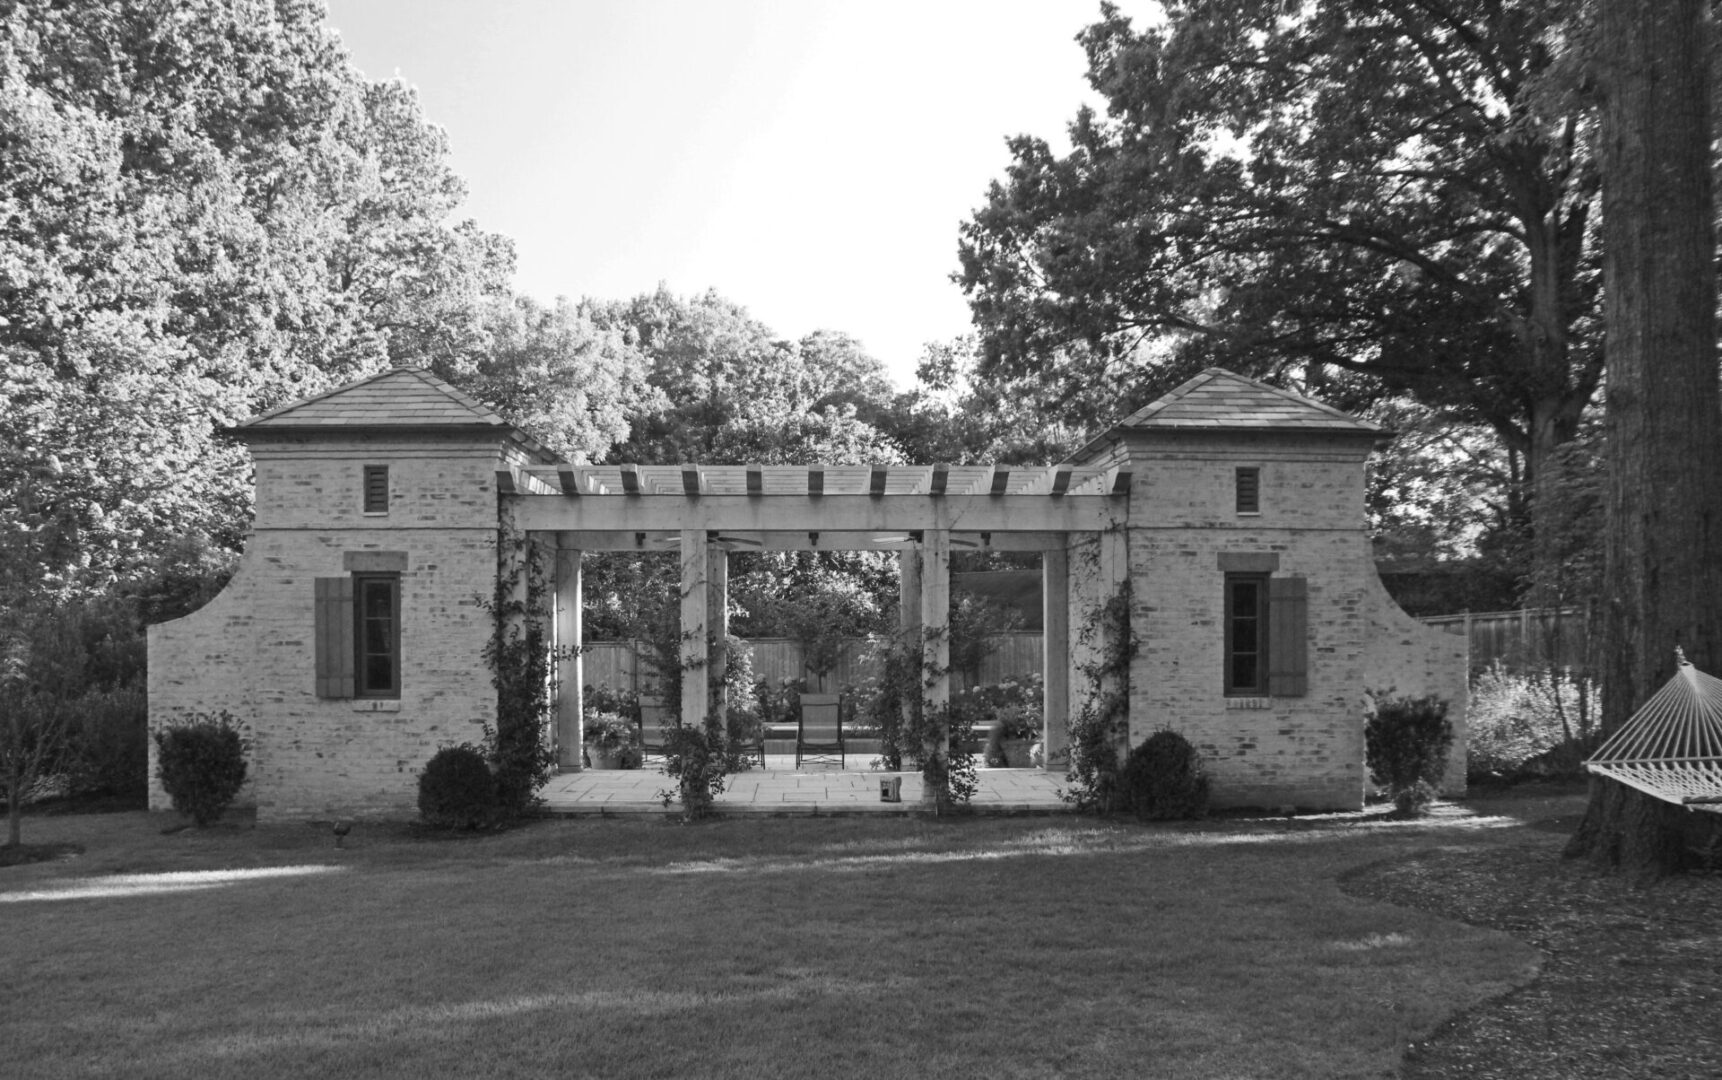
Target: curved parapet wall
<point>253,650</point>
<point>1409,659</point>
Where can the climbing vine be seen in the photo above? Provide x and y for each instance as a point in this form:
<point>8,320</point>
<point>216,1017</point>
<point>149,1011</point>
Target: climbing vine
<point>522,668</point>
<point>910,728</point>
<point>1100,731</point>
<point>700,758</point>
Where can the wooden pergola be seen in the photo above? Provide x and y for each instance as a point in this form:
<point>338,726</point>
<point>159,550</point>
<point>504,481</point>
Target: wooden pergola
<point>921,512</point>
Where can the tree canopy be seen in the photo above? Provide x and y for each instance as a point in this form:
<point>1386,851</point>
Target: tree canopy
<point>206,212</point>
<point>1392,199</point>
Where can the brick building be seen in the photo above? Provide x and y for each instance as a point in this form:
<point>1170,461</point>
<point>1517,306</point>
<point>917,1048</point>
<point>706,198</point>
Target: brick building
<point>350,638</point>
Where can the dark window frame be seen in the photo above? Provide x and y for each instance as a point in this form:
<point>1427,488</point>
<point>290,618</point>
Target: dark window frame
<point>1258,687</point>
<point>1247,489</point>
<point>369,487</point>
<point>362,683</point>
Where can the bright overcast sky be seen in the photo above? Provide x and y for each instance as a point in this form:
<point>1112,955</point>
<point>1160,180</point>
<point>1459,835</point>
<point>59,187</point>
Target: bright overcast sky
<point>809,159</point>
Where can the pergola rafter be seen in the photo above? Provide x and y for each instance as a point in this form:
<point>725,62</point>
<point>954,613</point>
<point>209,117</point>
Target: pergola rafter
<point>876,481</point>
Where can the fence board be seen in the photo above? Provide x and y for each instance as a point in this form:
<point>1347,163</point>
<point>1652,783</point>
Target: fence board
<point>616,664</point>
<point>1515,639</point>
<point>1518,640</point>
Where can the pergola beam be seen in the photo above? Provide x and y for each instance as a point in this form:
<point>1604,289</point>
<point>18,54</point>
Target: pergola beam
<point>888,514</point>
<point>789,540</point>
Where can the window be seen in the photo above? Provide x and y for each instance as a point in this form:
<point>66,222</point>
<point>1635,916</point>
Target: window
<point>358,636</point>
<point>1246,634</point>
<point>1266,636</point>
<point>376,489</point>
<point>377,634</point>
<point>1249,490</point>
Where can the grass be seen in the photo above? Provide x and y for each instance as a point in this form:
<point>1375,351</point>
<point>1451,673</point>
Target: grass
<point>845,947</point>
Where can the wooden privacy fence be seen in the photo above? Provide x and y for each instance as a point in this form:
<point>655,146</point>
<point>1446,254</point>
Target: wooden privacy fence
<point>1516,639</point>
<point>616,664</point>
<point>1522,639</point>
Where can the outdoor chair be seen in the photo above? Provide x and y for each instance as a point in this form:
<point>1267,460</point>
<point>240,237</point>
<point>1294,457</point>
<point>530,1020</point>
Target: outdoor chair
<point>655,717</point>
<point>819,738</point>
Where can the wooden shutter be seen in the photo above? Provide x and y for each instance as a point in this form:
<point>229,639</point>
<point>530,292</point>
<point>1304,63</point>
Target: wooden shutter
<point>1288,637</point>
<point>334,637</point>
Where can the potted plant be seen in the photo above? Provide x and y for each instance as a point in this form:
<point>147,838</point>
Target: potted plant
<point>612,741</point>
<point>1021,702</point>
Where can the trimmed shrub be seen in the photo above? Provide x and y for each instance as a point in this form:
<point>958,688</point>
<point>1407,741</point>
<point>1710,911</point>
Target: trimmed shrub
<point>201,764</point>
<point>457,789</point>
<point>1164,780</point>
<point>1406,741</point>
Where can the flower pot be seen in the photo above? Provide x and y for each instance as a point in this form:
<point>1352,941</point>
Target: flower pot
<point>603,762</point>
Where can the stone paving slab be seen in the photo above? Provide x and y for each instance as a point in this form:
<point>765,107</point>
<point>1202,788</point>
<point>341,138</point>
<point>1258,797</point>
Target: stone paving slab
<point>813,790</point>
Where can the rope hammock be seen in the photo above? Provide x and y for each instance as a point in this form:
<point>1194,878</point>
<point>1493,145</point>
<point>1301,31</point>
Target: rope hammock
<point>1672,746</point>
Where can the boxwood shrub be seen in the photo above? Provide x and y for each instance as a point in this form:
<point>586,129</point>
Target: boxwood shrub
<point>201,764</point>
<point>1164,779</point>
<point>457,789</point>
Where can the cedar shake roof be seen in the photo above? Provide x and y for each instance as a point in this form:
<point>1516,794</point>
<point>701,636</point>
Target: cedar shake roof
<point>394,398</point>
<point>1217,401</point>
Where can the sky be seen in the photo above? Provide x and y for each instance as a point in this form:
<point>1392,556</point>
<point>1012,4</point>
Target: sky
<point>809,159</point>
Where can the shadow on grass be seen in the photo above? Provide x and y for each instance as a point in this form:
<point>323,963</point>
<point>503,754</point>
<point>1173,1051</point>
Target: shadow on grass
<point>1099,838</point>
<point>838,948</point>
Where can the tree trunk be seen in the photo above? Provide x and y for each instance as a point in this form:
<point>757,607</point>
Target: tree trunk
<point>1662,579</point>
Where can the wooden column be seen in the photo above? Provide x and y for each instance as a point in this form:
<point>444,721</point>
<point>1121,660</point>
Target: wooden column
<point>570,672</point>
<point>909,615</point>
<point>936,650</point>
<point>717,621</point>
<point>523,565</point>
<point>909,591</point>
<point>1055,656</point>
<point>696,570</point>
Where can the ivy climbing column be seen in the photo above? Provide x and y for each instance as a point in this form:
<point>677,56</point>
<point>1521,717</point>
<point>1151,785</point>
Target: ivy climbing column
<point>696,571</point>
<point>1113,632</point>
<point>717,625</point>
<point>936,650</point>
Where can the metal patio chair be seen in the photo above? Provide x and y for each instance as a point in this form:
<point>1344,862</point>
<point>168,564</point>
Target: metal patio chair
<point>819,739</point>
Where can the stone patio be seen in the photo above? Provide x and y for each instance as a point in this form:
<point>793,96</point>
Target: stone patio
<point>780,788</point>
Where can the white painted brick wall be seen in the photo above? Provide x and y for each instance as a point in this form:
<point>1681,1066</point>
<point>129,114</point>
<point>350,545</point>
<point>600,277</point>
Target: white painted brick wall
<point>1283,751</point>
<point>250,649</point>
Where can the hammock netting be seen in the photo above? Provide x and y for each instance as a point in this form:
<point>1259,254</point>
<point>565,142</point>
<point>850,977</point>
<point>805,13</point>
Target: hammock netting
<point>1671,748</point>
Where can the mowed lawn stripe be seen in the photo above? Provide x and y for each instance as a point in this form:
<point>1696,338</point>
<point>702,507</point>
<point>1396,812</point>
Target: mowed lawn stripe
<point>856,948</point>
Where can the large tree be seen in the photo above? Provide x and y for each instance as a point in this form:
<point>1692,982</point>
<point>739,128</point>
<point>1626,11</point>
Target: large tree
<point>558,375</point>
<point>1393,197</point>
<point>1663,564</point>
<point>733,391</point>
<point>204,211</point>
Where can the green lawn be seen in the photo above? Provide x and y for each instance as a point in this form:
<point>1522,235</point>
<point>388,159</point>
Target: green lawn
<point>832,947</point>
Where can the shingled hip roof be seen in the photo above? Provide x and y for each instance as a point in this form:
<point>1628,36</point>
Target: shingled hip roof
<point>1218,400</point>
<point>397,398</point>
